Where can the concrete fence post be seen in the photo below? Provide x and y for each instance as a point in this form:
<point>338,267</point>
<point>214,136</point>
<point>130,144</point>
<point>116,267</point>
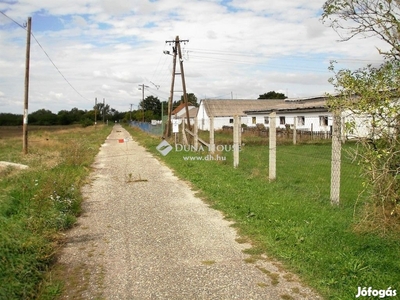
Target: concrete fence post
<point>196,134</point>
<point>236,141</point>
<point>294,131</point>
<point>272,146</point>
<point>336,159</point>
<point>212,140</point>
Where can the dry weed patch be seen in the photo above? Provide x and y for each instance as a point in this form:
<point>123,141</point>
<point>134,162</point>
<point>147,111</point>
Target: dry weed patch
<point>39,202</point>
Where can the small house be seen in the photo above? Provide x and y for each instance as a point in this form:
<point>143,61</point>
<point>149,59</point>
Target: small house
<point>180,112</point>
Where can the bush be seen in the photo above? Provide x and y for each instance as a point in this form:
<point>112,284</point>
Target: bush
<point>87,122</point>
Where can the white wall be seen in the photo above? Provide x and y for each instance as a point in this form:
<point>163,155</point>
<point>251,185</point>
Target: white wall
<point>203,120</point>
<point>219,122</point>
<point>361,128</point>
<point>311,120</point>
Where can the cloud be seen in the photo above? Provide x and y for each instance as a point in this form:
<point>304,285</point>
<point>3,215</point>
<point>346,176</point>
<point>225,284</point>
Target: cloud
<point>315,28</point>
<point>79,21</point>
<point>117,7</point>
<point>55,95</point>
<point>107,48</point>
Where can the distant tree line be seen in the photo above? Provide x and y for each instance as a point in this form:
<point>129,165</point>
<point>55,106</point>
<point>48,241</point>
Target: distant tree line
<point>63,117</point>
<point>151,108</point>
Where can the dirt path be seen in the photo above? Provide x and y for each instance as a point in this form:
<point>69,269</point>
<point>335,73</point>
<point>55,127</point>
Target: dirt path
<point>145,235</point>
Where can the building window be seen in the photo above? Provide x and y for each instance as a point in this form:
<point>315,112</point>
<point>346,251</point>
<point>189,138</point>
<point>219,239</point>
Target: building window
<point>323,121</point>
<point>253,120</point>
<point>231,121</point>
<point>266,120</point>
<point>301,120</point>
<point>282,120</point>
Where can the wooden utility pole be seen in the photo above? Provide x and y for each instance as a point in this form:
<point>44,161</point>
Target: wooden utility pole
<point>171,97</point>
<point>176,51</point>
<point>26,95</point>
<point>104,110</point>
<point>185,98</point>
<point>95,112</point>
<point>142,86</point>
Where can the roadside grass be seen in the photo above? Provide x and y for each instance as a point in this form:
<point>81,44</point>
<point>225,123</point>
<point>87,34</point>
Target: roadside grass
<point>38,203</point>
<point>291,220</point>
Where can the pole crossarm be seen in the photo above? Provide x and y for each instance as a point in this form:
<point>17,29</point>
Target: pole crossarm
<point>174,41</point>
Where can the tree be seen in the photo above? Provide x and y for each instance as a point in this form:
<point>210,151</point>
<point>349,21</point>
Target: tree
<point>43,117</point>
<point>272,95</point>
<point>7,119</point>
<point>350,18</point>
<point>373,93</point>
<point>137,115</point>
<point>192,99</point>
<point>151,103</point>
<point>66,117</point>
<point>102,111</point>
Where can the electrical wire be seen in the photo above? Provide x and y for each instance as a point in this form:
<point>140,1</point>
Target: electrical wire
<point>260,60</point>
<point>47,55</point>
<point>58,70</point>
<point>158,64</point>
<point>276,66</point>
<point>273,56</point>
<point>23,27</point>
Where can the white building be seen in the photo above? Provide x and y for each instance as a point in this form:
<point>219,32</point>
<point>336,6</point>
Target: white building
<point>308,113</point>
<point>180,113</point>
<point>223,112</point>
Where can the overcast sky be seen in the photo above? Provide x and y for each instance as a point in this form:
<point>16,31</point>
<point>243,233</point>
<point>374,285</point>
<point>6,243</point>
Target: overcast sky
<point>106,48</point>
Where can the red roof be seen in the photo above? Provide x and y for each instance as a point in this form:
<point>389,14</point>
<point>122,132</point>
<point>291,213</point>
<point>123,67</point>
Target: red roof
<point>180,107</point>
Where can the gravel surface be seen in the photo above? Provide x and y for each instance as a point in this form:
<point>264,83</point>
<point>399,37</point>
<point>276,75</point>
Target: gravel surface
<point>144,234</point>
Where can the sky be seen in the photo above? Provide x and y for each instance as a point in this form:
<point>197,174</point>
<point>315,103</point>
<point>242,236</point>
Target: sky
<point>107,49</point>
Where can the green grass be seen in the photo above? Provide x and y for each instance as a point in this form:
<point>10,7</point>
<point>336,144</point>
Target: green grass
<point>38,203</point>
<point>292,219</point>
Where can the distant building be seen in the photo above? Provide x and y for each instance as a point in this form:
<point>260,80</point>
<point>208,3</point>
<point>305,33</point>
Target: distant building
<point>307,113</point>
<point>180,112</point>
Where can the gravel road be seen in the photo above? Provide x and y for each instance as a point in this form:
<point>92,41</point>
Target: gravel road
<point>144,234</point>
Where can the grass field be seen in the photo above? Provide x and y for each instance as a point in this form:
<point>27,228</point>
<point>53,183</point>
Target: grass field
<point>38,203</point>
<point>291,219</point>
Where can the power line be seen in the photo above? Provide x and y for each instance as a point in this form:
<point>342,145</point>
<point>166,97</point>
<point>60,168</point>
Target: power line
<point>22,26</point>
<point>158,64</point>
<point>272,56</point>
<point>58,70</point>
<point>47,55</point>
<point>270,65</point>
